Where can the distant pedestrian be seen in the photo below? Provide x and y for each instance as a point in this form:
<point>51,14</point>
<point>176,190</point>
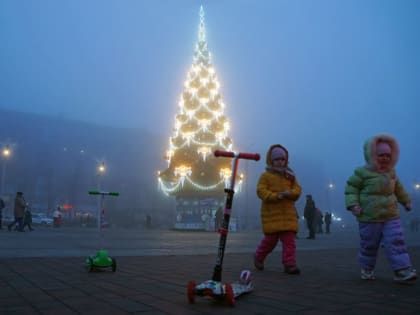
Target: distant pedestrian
<point>148,221</point>
<point>2,205</point>
<point>27,220</point>
<point>310,216</point>
<point>327,220</point>
<point>319,221</point>
<point>372,195</point>
<point>278,190</point>
<point>19,212</point>
<point>218,219</point>
<point>57,217</point>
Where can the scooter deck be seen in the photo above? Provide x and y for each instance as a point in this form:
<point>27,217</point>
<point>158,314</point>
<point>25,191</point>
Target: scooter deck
<point>216,289</point>
<point>240,288</point>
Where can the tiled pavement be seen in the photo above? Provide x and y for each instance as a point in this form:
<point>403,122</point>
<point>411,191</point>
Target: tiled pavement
<point>329,284</point>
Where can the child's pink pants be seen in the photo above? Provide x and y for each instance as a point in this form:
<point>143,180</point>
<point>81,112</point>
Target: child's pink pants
<point>269,242</point>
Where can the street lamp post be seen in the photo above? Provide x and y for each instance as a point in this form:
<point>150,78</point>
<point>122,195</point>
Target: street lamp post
<point>100,171</point>
<point>6,152</point>
<point>330,188</point>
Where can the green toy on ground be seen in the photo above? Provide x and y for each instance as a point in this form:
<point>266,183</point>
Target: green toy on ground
<point>101,260</point>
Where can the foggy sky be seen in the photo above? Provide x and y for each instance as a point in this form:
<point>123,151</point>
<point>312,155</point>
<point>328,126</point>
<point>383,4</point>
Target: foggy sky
<point>317,76</point>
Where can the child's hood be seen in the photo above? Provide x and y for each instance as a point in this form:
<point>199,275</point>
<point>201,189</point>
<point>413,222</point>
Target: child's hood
<point>369,149</point>
<point>268,155</point>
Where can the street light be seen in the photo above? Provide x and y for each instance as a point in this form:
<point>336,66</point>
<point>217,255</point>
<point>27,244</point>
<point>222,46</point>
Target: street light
<point>101,171</point>
<point>6,152</point>
<point>101,168</point>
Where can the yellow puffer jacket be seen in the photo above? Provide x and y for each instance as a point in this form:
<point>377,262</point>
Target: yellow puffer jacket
<point>278,215</point>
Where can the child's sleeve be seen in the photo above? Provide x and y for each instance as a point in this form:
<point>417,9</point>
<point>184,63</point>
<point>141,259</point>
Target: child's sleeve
<point>263,191</point>
<point>295,191</point>
<point>352,191</point>
<point>402,196</point>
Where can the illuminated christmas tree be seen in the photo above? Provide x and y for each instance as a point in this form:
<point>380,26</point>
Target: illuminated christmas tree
<point>193,174</point>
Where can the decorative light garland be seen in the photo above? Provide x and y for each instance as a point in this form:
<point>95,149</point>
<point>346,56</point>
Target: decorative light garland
<point>177,186</point>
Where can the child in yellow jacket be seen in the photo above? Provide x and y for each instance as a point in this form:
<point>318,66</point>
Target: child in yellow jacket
<point>278,190</point>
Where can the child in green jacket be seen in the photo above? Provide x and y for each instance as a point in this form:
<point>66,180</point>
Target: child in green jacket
<point>372,195</point>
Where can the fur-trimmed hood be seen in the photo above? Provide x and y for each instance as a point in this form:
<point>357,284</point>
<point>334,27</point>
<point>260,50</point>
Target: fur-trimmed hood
<point>369,150</point>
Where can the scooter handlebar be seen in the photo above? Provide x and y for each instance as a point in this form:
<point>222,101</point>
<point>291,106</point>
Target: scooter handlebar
<point>240,155</point>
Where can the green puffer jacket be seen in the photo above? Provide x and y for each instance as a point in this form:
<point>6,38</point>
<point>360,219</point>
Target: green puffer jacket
<point>378,194</point>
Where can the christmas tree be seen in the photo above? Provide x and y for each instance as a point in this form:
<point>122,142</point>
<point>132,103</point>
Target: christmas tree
<point>200,128</point>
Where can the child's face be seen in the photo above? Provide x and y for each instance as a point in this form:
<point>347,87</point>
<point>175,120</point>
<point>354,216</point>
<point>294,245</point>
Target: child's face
<point>279,162</point>
<point>384,162</point>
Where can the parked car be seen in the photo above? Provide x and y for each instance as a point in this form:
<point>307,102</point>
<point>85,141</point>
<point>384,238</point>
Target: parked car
<point>41,219</point>
<point>7,219</point>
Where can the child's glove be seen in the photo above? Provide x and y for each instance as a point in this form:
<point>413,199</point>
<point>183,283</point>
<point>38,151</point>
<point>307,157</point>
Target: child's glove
<point>283,194</point>
<point>356,210</point>
<point>408,205</point>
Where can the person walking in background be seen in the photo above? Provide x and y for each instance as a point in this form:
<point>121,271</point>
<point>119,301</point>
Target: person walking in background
<point>57,217</point>
<point>27,220</point>
<point>19,212</point>
<point>2,205</point>
<point>319,221</point>
<point>218,219</point>
<point>327,220</point>
<point>310,216</point>
<point>372,194</point>
<point>278,190</point>
<point>148,221</point>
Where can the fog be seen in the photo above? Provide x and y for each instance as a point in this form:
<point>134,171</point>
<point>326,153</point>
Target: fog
<point>318,77</point>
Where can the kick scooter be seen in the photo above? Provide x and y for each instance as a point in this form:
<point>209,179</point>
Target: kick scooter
<point>101,260</point>
<point>215,287</point>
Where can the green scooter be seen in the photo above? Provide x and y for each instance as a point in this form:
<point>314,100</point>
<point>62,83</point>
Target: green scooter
<point>102,259</point>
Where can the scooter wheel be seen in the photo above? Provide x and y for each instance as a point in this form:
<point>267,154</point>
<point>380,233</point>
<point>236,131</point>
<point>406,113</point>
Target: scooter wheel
<point>229,294</point>
<point>191,291</point>
<point>114,265</point>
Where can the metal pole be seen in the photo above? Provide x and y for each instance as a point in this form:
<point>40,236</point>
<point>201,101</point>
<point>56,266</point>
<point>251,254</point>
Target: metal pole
<point>100,200</point>
<point>98,221</point>
<point>246,195</point>
<point>3,176</point>
<point>101,209</point>
<point>328,200</point>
